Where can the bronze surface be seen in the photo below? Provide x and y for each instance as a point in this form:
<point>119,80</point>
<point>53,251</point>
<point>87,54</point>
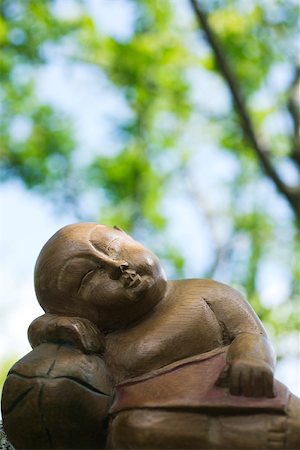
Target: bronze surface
<point>124,358</point>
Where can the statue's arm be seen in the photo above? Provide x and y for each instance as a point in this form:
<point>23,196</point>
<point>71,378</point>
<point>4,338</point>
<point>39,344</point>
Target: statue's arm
<point>250,357</point>
<point>250,361</point>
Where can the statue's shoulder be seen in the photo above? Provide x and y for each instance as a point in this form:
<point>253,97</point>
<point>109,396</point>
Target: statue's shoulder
<point>205,284</point>
<point>208,289</point>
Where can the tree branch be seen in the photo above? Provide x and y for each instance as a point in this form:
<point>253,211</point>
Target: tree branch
<point>294,109</point>
<point>291,195</point>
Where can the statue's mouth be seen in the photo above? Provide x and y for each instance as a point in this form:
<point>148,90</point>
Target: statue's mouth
<point>131,279</point>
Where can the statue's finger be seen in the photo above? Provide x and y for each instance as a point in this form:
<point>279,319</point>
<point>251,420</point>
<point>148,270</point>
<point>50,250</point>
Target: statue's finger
<point>258,386</point>
<point>246,382</point>
<point>234,382</point>
<point>268,385</point>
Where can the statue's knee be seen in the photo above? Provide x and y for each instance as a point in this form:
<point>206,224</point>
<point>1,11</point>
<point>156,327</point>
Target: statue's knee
<point>152,428</point>
<point>127,430</point>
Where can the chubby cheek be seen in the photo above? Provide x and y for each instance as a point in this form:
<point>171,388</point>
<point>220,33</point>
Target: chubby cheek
<point>101,290</point>
<point>154,268</point>
<point>144,262</point>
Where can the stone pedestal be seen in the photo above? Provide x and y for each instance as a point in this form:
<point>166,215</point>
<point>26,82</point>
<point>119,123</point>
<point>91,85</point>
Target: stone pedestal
<point>4,444</point>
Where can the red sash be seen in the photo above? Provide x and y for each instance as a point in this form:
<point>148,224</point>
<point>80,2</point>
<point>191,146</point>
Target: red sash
<point>191,385</point>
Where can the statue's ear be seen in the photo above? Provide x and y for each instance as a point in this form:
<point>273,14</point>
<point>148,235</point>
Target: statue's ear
<point>76,331</point>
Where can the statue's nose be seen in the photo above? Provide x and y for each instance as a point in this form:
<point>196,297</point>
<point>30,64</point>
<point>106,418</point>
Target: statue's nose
<point>116,268</point>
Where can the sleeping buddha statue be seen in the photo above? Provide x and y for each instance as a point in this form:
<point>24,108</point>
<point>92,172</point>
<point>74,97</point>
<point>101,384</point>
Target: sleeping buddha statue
<point>125,359</point>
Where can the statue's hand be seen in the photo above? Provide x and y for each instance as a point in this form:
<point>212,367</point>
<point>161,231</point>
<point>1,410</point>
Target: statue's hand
<point>251,378</point>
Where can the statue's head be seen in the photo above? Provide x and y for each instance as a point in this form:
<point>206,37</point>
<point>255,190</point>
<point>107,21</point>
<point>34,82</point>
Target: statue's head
<point>99,273</point>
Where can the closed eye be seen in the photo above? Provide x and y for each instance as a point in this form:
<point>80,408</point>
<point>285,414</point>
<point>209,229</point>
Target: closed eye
<point>86,277</point>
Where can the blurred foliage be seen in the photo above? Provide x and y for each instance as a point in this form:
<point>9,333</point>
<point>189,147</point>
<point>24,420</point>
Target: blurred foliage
<point>159,69</point>
<point>5,366</point>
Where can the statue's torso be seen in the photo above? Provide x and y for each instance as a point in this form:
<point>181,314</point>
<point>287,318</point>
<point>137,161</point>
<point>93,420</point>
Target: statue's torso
<point>181,325</point>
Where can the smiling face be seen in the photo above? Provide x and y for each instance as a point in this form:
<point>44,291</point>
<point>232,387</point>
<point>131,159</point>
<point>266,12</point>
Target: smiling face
<point>100,273</point>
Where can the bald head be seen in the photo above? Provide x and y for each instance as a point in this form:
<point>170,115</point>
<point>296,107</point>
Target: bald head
<point>59,264</point>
